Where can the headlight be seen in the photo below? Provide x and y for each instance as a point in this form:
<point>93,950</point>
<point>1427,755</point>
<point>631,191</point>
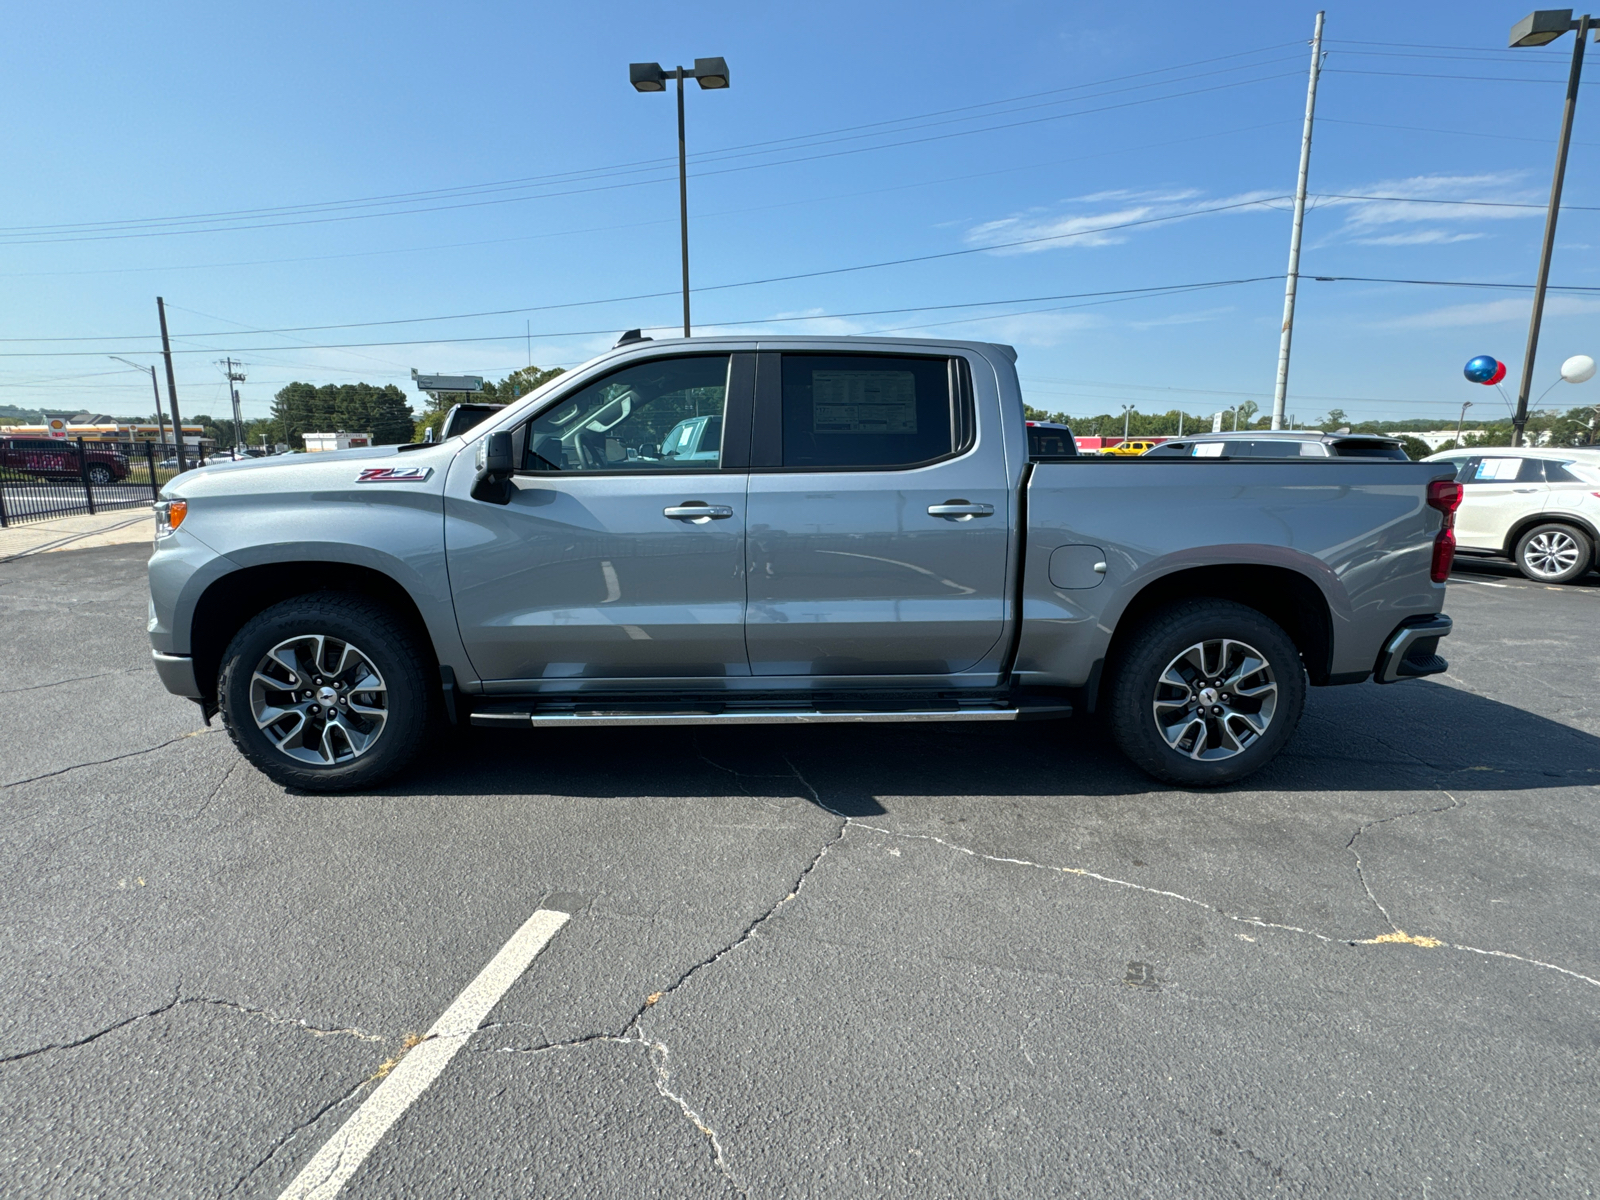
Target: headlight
<point>169,515</point>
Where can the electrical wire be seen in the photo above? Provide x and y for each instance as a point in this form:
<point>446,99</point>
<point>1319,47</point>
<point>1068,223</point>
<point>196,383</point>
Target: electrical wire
<point>718,154</point>
<point>123,236</point>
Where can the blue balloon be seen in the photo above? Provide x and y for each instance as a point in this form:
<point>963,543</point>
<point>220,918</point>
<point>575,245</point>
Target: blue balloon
<point>1481,369</point>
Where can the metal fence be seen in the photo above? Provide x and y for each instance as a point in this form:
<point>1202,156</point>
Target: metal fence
<point>39,480</point>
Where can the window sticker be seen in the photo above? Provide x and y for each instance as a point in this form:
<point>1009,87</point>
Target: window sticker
<point>1503,469</point>
<point>1209,449</point>
<point>863,402</point>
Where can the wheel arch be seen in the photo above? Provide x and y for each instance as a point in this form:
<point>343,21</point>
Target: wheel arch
<point>1288,597</point>
<point>1552,517</point>
<point>231,600</point>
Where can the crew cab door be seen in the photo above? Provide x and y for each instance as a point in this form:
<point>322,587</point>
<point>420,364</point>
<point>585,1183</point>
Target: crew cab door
<point>879,514</point>
<point>615,557</point>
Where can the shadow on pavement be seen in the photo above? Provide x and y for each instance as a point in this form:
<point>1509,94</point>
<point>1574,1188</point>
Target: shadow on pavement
<point>1364,738</point>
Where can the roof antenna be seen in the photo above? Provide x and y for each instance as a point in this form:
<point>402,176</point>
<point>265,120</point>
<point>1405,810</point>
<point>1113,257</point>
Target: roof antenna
<point>632,335</point>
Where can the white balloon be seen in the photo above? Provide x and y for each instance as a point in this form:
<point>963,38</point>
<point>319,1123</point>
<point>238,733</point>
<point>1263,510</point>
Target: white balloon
<point>1578,369</point>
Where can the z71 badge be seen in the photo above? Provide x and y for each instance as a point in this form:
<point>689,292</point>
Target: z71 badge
<point>394,474</point>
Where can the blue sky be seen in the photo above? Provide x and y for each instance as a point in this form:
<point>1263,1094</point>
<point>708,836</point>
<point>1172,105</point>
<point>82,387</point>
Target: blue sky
<point>400,161</point>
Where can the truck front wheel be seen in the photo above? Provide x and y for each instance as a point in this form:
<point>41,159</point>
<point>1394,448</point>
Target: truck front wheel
<point>1206,692</point>
<point>326,692</point>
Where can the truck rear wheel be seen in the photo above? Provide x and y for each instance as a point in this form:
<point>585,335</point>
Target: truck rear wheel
<point>1206,692</point>
<point>326,692</point>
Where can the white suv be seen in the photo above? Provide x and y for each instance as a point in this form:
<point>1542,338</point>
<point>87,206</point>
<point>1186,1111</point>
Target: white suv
<point>1538,507</point>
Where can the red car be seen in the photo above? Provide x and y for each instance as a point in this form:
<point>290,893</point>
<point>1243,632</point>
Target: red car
<point>53,458</point>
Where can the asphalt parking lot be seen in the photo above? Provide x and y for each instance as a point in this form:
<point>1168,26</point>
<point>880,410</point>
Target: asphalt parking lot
<point>946,961</point>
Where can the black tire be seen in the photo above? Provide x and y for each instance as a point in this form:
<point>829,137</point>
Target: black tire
<point>1554,553</point>
<point>388,647</point>
<point>1136,688</point>
<point>100,474</point>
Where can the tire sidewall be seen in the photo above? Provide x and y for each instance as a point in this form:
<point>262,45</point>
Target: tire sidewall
<point>1166,635</point>
<point>1579,569</point>
<point>376,634</point>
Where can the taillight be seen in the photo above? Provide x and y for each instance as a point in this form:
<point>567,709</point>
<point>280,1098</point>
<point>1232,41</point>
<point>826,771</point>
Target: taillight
<point>1444,495</point>
<point>1444,554</point>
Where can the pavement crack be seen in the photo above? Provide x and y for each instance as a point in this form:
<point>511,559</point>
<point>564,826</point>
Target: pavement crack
<point>1366,885</point>
<point>279,1143</point>
<point>179,1001</point>
<point>96,1035</point>
<point>657,1054</point>
<point>35,687</point>
<point>100,762</point>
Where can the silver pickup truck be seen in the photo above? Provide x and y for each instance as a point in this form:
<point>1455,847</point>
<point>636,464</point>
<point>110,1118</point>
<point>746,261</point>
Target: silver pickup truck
<point>761,530</point>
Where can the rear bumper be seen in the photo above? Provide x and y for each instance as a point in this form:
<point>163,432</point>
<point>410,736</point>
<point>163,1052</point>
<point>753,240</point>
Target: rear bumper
<point>177,674</point>
<point>1412,650</point>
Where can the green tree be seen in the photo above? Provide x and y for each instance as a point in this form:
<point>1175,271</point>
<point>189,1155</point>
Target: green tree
<point>513,387</point>
<point>301,408</point>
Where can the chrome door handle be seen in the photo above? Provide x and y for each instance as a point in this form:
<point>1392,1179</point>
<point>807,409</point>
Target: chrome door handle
<point>697,512</point>
<point>960,510</point>
<point>1520,490</point>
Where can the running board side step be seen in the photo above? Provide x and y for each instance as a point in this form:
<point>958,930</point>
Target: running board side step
<point>506,719</point>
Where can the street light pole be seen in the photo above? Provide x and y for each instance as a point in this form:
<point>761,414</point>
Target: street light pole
<point>1461,421</point>
<point>710,74</point>
<point>1538,29</point>
<point>1292,279</point>
<point>161,425</point>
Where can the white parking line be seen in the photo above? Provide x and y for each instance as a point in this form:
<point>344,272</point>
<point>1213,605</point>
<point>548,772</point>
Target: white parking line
<point>326,1173</point>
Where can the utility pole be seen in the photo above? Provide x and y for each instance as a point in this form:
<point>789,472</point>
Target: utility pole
<point>1291,282</point>
<point>172,385</point>
<point>238,421</point>
<point>1535,35</point>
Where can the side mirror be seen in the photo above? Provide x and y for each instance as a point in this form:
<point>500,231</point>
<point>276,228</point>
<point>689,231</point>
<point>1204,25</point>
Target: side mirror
<point>492,482</point>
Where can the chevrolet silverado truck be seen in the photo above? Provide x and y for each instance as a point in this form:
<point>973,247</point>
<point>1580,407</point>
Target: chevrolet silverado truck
<point>724,531</point>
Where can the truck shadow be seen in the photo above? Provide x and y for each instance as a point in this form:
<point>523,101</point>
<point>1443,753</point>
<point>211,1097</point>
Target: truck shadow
<point>1366,738</point>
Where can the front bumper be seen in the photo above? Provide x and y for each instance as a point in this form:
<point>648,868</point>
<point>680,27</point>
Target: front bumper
<point>1412,650</point>
<point>177,674</point>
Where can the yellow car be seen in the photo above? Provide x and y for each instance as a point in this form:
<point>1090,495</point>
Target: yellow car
<point>1133,446</point>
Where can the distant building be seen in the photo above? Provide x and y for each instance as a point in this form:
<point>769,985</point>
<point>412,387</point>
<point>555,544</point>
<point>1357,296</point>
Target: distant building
<point>109,429</point>
<point>316,443</point>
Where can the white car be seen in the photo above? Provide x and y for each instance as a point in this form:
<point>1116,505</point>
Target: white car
<point>1539,507</point>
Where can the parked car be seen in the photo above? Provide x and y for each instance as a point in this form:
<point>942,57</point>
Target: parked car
<point>55,458</point>
<point>867,539</point>
<point>464,416</point>
<point>1131,447</point>
<point>1281,443</point>
<point>1538,507</point>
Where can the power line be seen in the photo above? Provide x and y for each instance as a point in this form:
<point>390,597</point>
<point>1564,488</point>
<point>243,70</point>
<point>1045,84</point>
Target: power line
<point>1472,133</point>
<point>122,236</point>
<point>720,286</point>
<point>1460,283</point>
<point>1466,203</point>
<point>1467,78</point>
<point>718,154</point>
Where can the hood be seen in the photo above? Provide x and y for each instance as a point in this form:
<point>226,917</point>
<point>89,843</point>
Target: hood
<point>332,469</point>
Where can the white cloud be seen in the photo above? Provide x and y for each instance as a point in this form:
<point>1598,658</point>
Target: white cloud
<point>1451,200</point>
<point>1512,310</point>
<point>1041,230</point>
<point>1419,237</point>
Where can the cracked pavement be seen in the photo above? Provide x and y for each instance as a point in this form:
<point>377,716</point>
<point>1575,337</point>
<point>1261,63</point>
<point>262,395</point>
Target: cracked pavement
<point>816,961</point>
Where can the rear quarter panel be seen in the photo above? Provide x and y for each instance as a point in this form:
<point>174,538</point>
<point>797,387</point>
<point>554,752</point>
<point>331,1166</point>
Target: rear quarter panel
<point>1360,530</point>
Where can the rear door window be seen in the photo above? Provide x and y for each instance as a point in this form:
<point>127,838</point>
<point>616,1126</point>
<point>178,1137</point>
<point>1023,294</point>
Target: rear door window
<point>866,410</point>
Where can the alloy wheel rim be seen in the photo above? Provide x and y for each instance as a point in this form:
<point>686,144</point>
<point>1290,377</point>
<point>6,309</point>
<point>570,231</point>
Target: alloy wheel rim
<point>1550,554</point>
<point>319,700</point>
<point>1215,699</point>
